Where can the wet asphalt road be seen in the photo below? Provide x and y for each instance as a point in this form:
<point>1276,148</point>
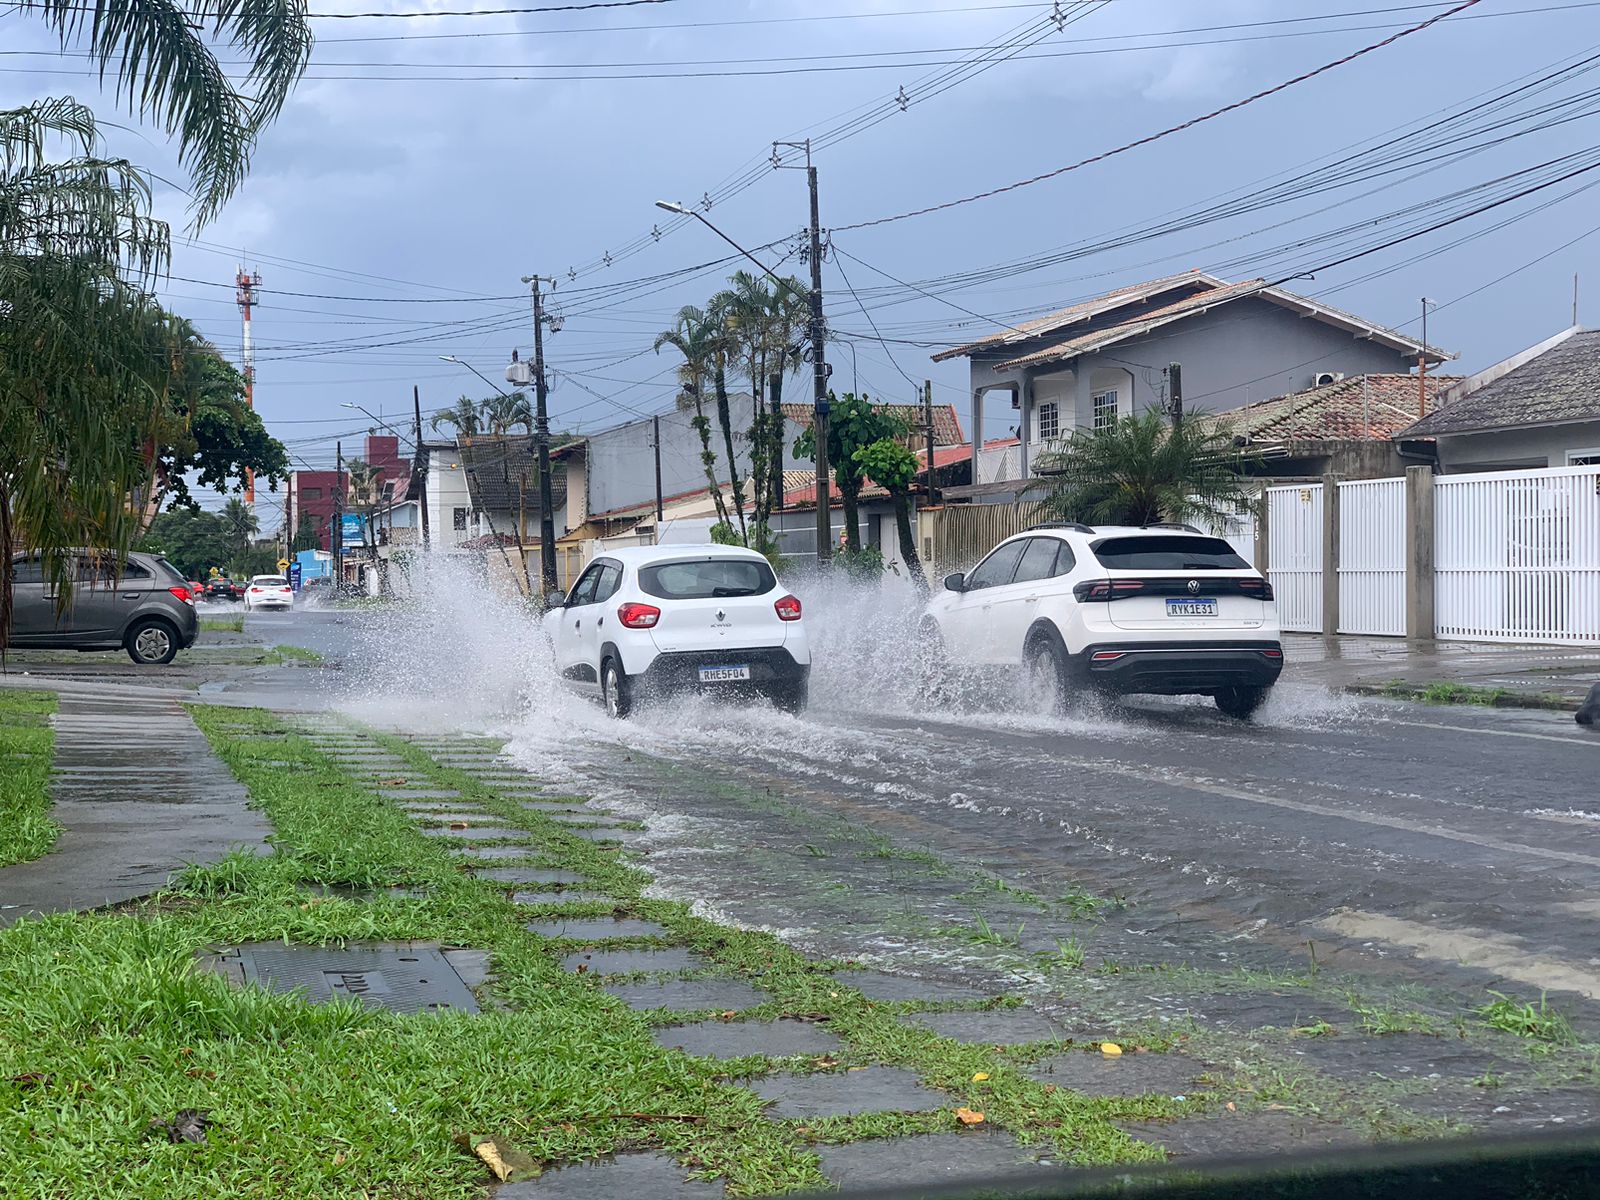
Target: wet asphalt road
<point>1457,847</point>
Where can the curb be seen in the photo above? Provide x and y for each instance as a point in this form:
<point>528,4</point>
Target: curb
<point>1499,698</point>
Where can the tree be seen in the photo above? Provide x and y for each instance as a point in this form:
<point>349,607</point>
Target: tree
<point>193,541</point>
<point>168,72</point>
<point>502,414</point>
<point>1142,469</point>
<point>695,335</point>
<point>78,239</point>
<point>853,423</point>
<point>893,467</point>
<point>365,492</point>
<point>307,535</point>
<point>466,416</point>
<point>210,431</point>
<point>242,525</point>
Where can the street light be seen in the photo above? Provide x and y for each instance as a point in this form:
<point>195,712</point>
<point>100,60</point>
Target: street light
<point>819,370</point>
<point>381,422</point>
<point>451,358</point>
<point>672,206</point>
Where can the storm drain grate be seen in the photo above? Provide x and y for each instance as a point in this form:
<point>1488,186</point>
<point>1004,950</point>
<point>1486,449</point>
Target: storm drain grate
<point>410,979</point>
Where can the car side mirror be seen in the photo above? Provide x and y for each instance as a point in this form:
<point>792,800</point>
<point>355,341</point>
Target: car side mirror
<point>955,583</point>
<point>555,600</point>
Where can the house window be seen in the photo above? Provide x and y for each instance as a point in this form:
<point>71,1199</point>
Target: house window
<point>310,493</point>
<point>1584,458</point>
<point>1105,408</point>
<point>458,519</point>
<point>1049,420</point>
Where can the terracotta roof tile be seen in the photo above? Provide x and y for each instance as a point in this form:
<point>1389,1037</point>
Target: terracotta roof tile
<point>1358,408</point>
<point>946,425</point>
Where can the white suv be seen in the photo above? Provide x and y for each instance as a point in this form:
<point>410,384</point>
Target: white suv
<point>268,591</point>
<point>653,620</point>
<point>1162,609</point>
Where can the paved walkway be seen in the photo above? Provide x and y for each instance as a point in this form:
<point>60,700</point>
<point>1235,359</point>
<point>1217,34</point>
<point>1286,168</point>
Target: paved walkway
<point>139,794</point>
<point>1567,671</point>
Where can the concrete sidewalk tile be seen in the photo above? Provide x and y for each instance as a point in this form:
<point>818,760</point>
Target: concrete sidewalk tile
<point>735,1039</point>
<point>626,962</point>
<point>931,1159</point>
<point>846,1093</point>
<point>637,1176</point>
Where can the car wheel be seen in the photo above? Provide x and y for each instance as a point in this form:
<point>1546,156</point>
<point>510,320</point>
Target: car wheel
<point>616,689</point>
<point>931,663</point>
<point>1241,703</point>
<point>793,697</point>
<point>152,643</point>
<point>1046,665</point>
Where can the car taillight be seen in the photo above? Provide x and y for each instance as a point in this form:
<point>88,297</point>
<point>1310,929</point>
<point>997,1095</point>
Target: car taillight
<point>1107,589</point>
<point>182,593</point>
<point>1107,655</point>
<point>638,616</point>
<point>1259,588</point>
<point>788,608</point>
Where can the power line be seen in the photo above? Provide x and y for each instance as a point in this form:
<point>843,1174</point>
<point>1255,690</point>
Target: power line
<point>1189,124</point>
<point>484,12</point>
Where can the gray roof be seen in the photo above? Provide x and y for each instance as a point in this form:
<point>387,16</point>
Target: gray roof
<point>1552,383</point>
<point>494,466</point>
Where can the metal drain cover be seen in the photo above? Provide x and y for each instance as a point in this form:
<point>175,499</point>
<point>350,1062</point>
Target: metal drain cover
<point>407,979</point>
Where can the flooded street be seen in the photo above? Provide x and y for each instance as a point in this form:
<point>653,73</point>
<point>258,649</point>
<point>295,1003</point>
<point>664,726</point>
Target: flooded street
<point>1437,850</point>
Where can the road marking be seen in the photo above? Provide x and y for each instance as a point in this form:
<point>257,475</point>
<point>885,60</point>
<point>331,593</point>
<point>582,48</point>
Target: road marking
<point>1542,737</point>
<point>1368,818</point>
<point>1494,952</point>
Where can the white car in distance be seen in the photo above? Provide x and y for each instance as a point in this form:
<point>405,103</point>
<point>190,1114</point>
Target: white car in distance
<point>1159,609</point>
<point>647,622</point>
<point>268,591</point>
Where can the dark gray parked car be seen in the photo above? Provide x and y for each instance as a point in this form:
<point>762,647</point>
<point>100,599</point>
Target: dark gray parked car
<point>145,608</point>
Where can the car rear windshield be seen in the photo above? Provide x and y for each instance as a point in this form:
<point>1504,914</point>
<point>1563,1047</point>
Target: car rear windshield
<point>707,579</point>
<point>171,572</point>
<point>271,581</point>
<point>1168,553</point>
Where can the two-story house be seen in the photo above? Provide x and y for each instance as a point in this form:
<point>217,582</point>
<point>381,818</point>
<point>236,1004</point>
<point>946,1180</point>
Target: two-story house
<point>1110,356</point>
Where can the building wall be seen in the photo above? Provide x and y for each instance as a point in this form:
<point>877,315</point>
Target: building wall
<point>316,493</point>
<point>1516,449</point>
<point>622,467</point>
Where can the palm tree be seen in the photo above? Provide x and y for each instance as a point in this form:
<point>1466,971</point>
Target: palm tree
<point>787,324</point>
<point>242,524</point>
<point>723,345</point>
<point>695,334</point>
<point>466,416</point>
<point>167,70</point>
<point>501,414</point>
<point>1142,469</point>
<point>77,241</point>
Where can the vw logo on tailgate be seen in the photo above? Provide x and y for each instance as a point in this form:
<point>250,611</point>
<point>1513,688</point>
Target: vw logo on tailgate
<point>1194,587</point>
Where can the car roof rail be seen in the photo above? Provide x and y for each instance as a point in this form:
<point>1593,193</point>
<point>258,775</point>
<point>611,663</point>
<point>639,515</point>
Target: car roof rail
<point>1179,525</point>
<point>1078,526</point>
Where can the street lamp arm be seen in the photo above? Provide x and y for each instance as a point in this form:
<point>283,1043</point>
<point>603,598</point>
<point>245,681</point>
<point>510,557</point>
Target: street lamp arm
<point>451,358</point>
<point>785,284</point>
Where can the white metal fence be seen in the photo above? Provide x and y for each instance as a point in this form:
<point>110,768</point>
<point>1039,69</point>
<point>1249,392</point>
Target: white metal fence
<point>1517,556</point>
<point>1294,555</point>
<point>1372,557</point>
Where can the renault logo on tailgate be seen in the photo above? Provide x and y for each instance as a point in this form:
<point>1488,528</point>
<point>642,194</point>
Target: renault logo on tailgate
<point>721,616</point>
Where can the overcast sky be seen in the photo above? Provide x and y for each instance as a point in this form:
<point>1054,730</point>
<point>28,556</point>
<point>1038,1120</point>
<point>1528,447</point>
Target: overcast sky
<point>412,164</point>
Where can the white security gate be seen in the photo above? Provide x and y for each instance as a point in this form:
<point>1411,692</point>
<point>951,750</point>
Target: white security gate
<point>1372,557</point>
<point>1517,556</point>
<point>1294,555</point>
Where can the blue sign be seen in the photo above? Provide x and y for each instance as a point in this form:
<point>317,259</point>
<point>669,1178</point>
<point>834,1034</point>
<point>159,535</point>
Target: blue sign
<point>295,574</point>
<point>352,528</point>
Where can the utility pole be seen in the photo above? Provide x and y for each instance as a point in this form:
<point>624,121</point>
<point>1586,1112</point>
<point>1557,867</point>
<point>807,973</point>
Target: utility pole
<point>422,485</point>
<point>927,421</point>
<point>541,436</point>
<point>656,439</point>
<point>1175,390</point>
<point>247,283</point>
<point>1422,365</point>
<point>336,534</point>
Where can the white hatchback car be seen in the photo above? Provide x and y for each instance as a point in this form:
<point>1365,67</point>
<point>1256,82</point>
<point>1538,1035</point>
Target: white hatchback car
<point>1161,609</point>
<point>268,591</point>
<point>648,621</point>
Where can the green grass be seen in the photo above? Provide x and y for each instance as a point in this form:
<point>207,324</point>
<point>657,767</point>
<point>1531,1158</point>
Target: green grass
<point>1537,1022</point>
<point>1444,692</point>
<point>296,654</point>
<point>106,1023</point>
<point>26,742</point>
<point>222,624</point>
